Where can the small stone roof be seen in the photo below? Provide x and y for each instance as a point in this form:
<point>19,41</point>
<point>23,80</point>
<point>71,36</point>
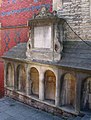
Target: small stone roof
<point>76,54</point>
<point>17,52</point>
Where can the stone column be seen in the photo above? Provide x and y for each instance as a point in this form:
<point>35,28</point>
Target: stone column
<point>57,95</point>
<point>41,86</point>
<point>5,68</point>
<point>15,76</point>
<point>78,95</point>
<point>28,80</point>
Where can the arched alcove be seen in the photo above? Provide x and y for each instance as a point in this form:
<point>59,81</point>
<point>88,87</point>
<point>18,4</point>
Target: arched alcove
<point>34,81</point>
<point>86,94</point>
<point>50,85</point>
<point>9,75</point>
<point>68,93</point>
<point>21,78</point>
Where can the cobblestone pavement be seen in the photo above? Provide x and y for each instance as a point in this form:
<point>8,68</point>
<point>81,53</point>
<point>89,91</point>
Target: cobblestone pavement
<point>14,110</point>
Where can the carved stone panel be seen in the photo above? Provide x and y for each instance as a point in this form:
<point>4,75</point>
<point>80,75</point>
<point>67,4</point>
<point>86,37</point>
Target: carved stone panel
<point>42,37</point>
<point>68,91</point>
<point>86,95</point>
<point>50,85</point>
<point>34,76</point>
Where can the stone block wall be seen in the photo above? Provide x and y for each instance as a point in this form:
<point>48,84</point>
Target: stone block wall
<point>78,15</point>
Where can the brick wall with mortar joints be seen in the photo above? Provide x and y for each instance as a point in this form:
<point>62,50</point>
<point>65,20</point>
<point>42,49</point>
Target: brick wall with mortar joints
<point>14,13</point>
<point>17,12</point>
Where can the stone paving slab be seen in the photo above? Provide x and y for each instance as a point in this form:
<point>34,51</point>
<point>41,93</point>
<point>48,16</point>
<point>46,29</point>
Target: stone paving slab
<point>14,110</point>
<point>86,117</point>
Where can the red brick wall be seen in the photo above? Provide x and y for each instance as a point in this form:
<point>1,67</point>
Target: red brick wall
<point>16,13</point>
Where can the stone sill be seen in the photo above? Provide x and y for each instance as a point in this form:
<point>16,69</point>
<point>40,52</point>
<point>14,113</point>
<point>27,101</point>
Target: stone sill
<point>9,88</point>
<point>68,110</point>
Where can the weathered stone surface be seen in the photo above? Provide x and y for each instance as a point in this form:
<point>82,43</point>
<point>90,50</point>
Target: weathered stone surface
<point>14,110</point>
<point>78,15</point>
<point>69,97</point>
<point>46,37</point>
<point>37,103</point>
<point>75,54</point>
<point>42,37</point>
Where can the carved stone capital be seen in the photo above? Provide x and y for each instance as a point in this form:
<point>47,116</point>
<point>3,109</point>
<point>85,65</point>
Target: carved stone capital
<point>58,47</point>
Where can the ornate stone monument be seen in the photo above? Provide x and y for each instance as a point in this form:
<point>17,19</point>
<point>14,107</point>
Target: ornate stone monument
<point>36,74</point>
<point>46,37</point>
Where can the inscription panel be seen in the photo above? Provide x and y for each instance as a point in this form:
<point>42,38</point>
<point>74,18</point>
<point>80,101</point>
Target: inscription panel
<point>42,37</point>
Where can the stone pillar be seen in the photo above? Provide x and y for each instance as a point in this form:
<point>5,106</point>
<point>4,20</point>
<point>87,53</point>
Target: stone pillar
<point>78,95</point>
<point>5,68</point>
<point>41,86</point>
<point>57,95</point>
<point>15,76</point>
<point>27,79</point>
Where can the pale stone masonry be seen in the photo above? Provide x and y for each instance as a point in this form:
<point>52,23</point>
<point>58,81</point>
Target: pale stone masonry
<point>78,15</point>
<point>53,75</point>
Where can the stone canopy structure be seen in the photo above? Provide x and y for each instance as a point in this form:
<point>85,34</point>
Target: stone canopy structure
<point>46,37</point>
<point>47,72</point>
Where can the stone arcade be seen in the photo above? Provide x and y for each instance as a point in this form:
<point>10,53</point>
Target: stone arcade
<point>49,73</point>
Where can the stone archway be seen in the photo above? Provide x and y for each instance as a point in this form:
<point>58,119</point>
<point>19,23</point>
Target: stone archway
<point>50,85</point>
<point>68,93</point>
<point>21,78</point>
<point>10,75</point>
<point>86,94</point>
<point>34,81</point>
